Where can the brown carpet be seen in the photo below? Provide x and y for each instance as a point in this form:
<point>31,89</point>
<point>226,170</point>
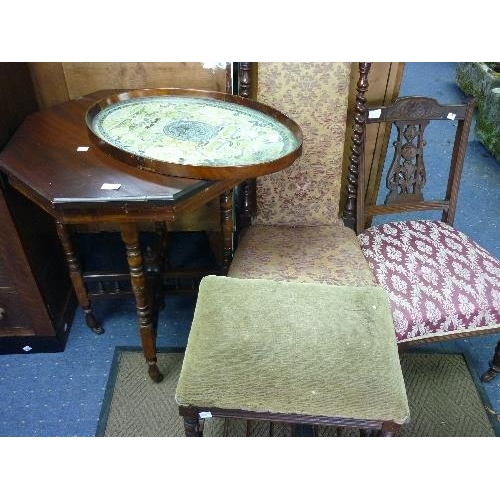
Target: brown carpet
<point>443,399</point>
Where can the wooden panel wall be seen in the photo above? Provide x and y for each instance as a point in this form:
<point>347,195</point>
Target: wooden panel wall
<point>58,82</point>
<point>384,83</point>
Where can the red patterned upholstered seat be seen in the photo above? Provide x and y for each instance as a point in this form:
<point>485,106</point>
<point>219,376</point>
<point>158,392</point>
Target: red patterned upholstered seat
<point>439,280</point>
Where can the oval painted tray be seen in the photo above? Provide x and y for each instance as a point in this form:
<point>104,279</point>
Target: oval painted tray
<point>194,133</point>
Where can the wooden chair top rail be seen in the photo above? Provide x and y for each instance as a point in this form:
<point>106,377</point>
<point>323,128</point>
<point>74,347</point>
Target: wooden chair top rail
<point>416,108</point>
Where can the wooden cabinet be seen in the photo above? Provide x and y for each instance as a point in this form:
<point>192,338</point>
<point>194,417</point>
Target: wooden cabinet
<point>37,301</point>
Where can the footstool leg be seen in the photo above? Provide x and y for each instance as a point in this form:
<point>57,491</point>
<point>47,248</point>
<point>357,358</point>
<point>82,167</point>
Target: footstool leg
<point>494,369</point>
<point>389,429</point>
<point>192,427</point>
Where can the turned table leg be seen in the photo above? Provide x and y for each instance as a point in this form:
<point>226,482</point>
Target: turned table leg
<point>77,279</point>
<point>226,218</point>
<point>130,237</point>
<point>494,368</point>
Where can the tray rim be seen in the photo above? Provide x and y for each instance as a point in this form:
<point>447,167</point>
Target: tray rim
<point>206,172</point>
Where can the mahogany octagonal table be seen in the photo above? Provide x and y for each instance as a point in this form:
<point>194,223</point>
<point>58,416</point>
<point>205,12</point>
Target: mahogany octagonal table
<point>73,160</point>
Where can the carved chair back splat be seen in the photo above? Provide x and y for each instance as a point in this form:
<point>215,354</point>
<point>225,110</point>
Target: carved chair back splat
<point>407,175</point>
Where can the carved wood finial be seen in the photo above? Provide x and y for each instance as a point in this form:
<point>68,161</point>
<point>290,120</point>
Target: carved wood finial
<point>358,137</point>
<point>244,79</point>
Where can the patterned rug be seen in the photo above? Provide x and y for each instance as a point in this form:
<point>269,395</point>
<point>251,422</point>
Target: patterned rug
<point>444,399</point>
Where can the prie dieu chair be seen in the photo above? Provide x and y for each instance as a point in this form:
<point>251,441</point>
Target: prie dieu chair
<point>296,233</point>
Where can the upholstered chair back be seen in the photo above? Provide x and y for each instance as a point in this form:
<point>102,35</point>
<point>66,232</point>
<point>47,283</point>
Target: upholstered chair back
<point>296,234</point>
<point>315,95</point>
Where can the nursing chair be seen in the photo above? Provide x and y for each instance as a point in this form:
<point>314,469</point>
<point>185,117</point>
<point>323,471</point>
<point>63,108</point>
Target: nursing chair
<point>441,283</point>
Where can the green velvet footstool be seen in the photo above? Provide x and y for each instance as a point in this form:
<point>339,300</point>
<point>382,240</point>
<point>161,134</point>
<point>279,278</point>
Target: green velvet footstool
<point>301,353</point>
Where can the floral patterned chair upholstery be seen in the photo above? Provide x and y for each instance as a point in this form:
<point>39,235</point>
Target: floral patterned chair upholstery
<point>441,283</point>
<point>296,234</point>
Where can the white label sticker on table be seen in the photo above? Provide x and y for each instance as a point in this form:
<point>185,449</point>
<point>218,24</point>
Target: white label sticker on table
<point>109,186</point>
<point>205,414</point>
<point>374,113</point>
<point>451,116</point>
<point>82,148</point>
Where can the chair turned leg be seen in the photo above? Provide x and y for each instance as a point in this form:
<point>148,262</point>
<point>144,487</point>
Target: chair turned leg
<point>161,254</point>
<point>226,220</point>
<point>302,430</point>
<point>366,433</point>
<point>494,368</point>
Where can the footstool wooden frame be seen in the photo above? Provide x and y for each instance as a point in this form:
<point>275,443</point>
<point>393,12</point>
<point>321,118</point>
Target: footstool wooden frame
<point>299,353</point>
